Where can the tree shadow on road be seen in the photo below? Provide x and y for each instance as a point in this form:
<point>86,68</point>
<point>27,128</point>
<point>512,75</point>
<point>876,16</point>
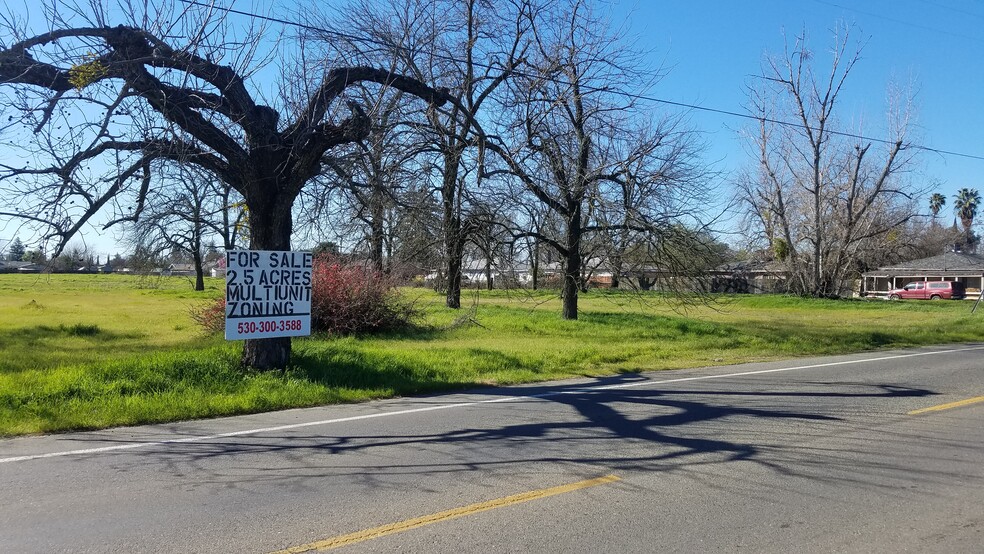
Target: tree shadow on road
<point>624,423</point>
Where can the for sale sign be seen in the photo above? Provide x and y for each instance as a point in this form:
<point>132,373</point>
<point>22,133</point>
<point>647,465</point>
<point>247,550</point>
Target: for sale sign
<point>268,294</point>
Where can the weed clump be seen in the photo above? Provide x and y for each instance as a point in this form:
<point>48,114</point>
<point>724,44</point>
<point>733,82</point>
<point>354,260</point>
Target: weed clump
<point>81,330</point>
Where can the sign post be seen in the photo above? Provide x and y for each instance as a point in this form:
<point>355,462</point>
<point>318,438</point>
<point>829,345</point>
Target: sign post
<point>268,294</point>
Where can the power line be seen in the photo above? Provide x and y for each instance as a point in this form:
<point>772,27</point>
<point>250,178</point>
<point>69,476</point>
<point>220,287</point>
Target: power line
<point>952,9</point>
<point>590,88</point>
<point>898,21</point>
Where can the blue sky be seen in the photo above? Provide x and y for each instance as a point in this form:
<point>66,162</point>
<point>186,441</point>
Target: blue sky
<point>713,48</point>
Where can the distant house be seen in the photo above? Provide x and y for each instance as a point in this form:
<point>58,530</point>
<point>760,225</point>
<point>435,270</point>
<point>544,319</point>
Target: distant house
<point>12,267</point>
<point>597,272</point>
<point>217,271</point>
<point>749,277</point>
<point>180,269</point>
<point>473,274</point>
<point>32,268</point>
<point>949,266</point>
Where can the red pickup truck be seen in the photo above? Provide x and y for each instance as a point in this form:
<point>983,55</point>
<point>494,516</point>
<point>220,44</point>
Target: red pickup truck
<point>929,290</point>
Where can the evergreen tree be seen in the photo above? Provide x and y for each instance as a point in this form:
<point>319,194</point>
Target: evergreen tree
<point>16,250</point>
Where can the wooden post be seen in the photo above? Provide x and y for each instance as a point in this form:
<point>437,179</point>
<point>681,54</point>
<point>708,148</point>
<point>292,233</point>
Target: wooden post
<point>979,296</point>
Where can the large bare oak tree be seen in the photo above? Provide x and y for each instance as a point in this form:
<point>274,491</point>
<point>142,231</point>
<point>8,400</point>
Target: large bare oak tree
<point>96,109</point>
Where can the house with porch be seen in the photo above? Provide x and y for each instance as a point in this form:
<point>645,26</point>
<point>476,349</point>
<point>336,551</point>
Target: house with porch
<point>949,266</point>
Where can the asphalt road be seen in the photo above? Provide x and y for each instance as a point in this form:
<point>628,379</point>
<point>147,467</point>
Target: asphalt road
<point>817,455</point>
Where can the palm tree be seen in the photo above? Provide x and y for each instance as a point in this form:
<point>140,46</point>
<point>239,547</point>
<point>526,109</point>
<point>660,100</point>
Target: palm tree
<point>965,207</point>
<point>936,203</point>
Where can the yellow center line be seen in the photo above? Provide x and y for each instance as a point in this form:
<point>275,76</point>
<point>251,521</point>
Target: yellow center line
<point>940,407</point>
<point>399,527</point>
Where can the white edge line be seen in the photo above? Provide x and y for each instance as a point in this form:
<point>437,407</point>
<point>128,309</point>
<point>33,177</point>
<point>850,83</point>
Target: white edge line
<point>287,427</point>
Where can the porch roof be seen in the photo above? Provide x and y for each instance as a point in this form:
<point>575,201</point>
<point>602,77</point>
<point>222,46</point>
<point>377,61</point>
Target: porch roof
<point>949,264</point>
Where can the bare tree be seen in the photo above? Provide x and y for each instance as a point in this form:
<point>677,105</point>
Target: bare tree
<point>364,189</point>
<point>185,217</point>
<point>578,143</point>
<point>414,232</point>
<point>97,107</point>
<point>487,228</point>
<point>470,47</point>
<point>820,196</point>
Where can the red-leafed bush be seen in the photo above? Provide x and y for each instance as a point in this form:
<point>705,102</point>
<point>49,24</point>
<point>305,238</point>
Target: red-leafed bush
<point>350,298</point>
<point>210,316</point>
<point>346,298</point>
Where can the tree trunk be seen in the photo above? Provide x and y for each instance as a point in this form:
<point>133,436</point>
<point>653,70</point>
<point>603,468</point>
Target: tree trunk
<point>616,267</point>
<point>388,246</point>
<point>572,265</point>
<point>488,274</point>
<point>535,264</point>
<point>571,286</point>
<point>196,251</point>
<point>199,270</point>
<point>270,225</point>
<point>454,249</point>
<point>376,233</point>
<point>454,246</point>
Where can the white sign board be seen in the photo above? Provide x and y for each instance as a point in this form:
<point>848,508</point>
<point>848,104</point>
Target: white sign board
<point>268,294</point>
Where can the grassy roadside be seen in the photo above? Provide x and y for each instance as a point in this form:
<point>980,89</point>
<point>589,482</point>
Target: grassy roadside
<point>83,352</point>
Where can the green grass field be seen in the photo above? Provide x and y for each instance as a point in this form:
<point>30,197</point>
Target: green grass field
<point>92,351</point>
